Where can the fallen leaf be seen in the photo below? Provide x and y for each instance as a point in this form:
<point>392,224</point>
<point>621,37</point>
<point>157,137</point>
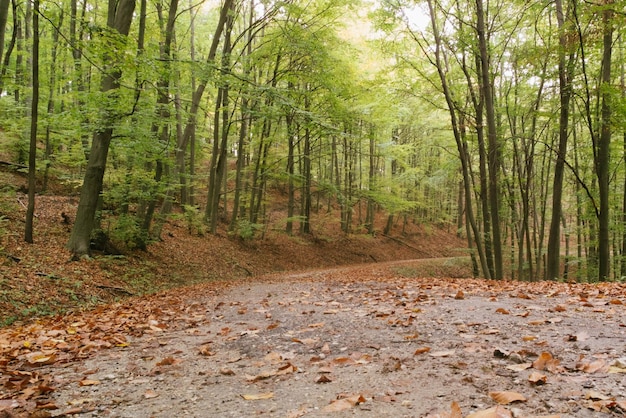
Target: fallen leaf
<point>502,311</point>
<point>150,394</point>
<point>507,397</point>
<point>519,367</point>
<point>542,360</point>
<point>258,396</point>
<point>495,412</point>
<point>89,382</point>
<point>459,295</point>
<point>593,367</point>
<point>344,403</point>
<point>168,361</point>
<point>446,353</point>
<point>227,372</point>
<point>537,378</point>
<point>323,378</point>
<point>421,350</point>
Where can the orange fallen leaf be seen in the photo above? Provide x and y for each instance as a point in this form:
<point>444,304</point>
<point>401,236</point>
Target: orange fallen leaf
<point>502,311</point>
<point>421,350</point>
<point>89,382</point>
<point>344,403</point>
<point>168,361</point>
<point>495,412</point>
<point>150,394</point>
<point>507,397</point>
<point>542,360</point>
<point>258,396</point>
<point>455,412</point>
<point>459,295</point>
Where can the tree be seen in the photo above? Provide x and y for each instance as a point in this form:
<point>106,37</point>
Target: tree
<point>32,156</point>
<point>119,17</point>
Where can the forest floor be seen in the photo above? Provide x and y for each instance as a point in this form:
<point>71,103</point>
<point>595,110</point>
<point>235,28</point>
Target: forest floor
<point>213,326</point>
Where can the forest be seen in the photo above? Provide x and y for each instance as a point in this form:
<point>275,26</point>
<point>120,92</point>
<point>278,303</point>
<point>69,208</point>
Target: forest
<point>504,119</point>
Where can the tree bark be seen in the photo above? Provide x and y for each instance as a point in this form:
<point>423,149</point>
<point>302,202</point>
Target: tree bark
<point>32,156</point>
<point>604,144</point>
<point>565,92</point>
<point>119,18</point>
<point>492,138</point>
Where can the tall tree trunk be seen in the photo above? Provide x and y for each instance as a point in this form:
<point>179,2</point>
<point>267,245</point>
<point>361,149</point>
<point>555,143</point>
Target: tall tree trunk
<point>565,92</point>
<point>4,15</point>
<point>119,18</point>
<point>161,129</point>
<point>6,59</point>
<point>460,143</point>
<point>492,137</point>
<point>32,156</point>
<point>604,144</point>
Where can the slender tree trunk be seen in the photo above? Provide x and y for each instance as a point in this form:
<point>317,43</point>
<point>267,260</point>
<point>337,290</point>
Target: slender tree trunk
<point>119,19</point>
<point>604,145</point>
<point>34,116</point>
<point>4,15</point>
<point>565,92</point>
<point>290,167</point>
<point>493,155</point>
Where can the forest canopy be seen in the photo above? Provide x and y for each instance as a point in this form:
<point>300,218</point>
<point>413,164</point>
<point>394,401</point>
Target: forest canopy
<point>505,119</point>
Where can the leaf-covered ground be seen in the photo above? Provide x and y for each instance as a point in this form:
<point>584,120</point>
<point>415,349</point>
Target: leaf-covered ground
<point>369,340</point>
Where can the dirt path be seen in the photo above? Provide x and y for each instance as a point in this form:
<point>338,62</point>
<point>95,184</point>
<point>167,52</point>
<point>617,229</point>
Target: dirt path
<point>360,341</point>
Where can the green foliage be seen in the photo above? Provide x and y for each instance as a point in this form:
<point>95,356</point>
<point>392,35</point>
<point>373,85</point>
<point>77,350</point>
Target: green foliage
<point>194,220</point>
<point>247,230</point>
<point>126,229</point>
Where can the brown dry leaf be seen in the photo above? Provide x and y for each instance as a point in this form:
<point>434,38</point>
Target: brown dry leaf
<point>495,412</point>
<point>205,350</point>
<point>459,295</point>
<point>502,311</point>
<point>507,397</point>
<point>297,413</point>
<point>273,357</point>
<point>559,308</point>
<point>593,367</point>
<point>455,412</point>
<point>421,350</point>
<point>446,353</point>
<point>227,372</point>
<point>258,396</point>
<point>149,394</point>
<point>168,361</point>
<point>519,367</point>
<point>545,416</point>
<point>323,378</point>
<point>529,338</point>
<point>344,403</point>
<point>537,378</point>
<point>266,374</point>
<point>89,382</point>
<point>542,361</point>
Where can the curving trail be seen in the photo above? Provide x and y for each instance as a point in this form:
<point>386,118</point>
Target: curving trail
<point>383,340</point>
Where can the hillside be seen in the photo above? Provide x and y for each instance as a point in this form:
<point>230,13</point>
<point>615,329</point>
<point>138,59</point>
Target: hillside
<point>40,280</point>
